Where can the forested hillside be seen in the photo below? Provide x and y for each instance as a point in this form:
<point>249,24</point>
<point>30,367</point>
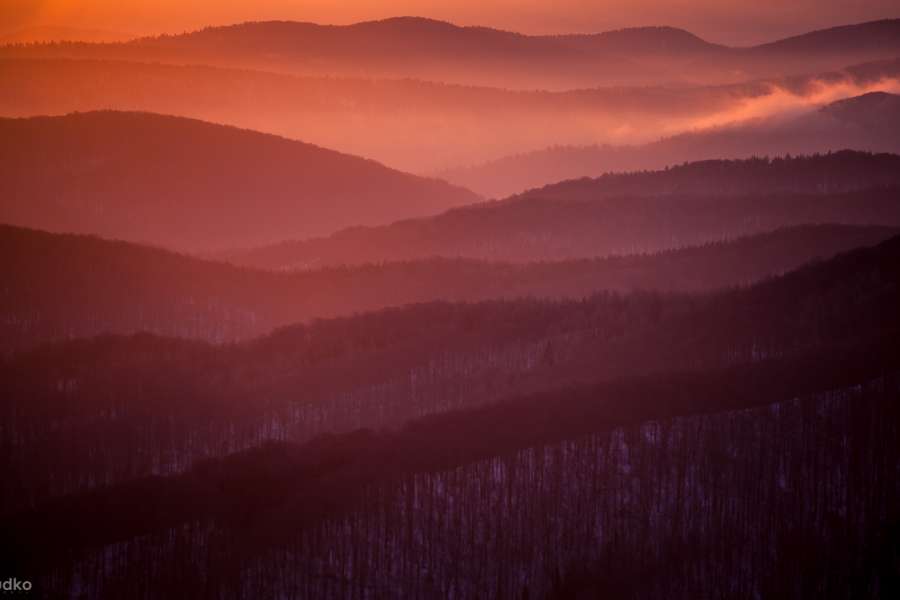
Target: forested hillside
<point>590,468</point>
<point>74,425</point>
<point>117,287</point>
<point>624,213</point>
<point>319,301</point>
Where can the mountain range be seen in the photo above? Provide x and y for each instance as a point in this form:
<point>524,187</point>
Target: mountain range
<point>623,213</point>
<point>409,47</point>
<point>382,369</point>
<point>122,288</point>
<point>277,322</point>
<point>416,126</point>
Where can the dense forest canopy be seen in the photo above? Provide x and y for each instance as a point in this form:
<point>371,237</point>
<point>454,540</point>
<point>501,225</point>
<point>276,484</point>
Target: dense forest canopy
<point>380,369</point>
<point>117,287</point>
<point>414,309</point>
<point>271,503</point>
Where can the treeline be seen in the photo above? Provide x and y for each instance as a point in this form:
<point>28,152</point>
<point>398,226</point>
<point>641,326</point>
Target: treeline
<point>833,172</point>
<point>624,213</point>
<point>612,489</point>
<point>539,228</point>
<point>96,412</point>
<point>116,287</point>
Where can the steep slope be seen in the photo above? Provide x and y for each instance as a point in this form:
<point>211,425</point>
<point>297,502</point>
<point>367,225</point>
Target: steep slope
<point>624,213</point>
<point>116,287</point>
<point>192,185</point>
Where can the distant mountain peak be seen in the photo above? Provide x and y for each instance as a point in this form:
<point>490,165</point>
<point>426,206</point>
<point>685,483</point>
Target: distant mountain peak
<point>409,20</point>
<point>650,31</point>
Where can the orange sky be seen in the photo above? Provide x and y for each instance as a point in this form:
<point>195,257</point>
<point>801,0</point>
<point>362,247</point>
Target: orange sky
<point>727,21</point>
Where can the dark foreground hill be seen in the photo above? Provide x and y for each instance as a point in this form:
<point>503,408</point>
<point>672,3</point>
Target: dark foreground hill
<point>755,433</point>
<point>192,185</point>
<point>118,287</point>
<point>624,213</point>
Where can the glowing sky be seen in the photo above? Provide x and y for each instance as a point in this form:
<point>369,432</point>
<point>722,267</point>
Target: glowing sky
<point>725,21</point>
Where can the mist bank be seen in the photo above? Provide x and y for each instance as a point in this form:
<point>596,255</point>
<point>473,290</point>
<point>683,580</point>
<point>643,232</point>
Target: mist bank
<point>416,126</point>
<point>869,122</point>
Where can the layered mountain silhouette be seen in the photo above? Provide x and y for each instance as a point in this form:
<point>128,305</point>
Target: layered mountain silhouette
<point>385,368</point>
<point>653,351</point>
<point>123,288</point>
<point>869,122</point>
<point>427,49</point>
<point>191,185</point>
<point>624,213</point>
<point>413,125</point>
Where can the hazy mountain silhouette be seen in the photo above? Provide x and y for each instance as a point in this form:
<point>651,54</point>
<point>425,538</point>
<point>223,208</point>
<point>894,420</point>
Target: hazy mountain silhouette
<point>873,36</point>
<point>114,394</point>
<point>287,371</point>
<point>875,112</point>
<point>434,50</point>
<point>192,185</point>
<point>869,122</point>
<point>817,50</point>
<point>623,213</point>
<point>123,288</point>
<point>412,125</point>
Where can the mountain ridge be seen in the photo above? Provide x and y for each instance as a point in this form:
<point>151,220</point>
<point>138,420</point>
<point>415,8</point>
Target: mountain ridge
<point>430,49</point>
<point>622,213</point>
<point>121,287</point>
<point>869,122</point>
<point>191,184</point>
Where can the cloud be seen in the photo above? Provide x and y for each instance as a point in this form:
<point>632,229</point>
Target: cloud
<point>781,102</point>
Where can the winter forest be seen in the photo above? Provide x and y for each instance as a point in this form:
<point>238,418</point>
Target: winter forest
<point>324,303</point>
